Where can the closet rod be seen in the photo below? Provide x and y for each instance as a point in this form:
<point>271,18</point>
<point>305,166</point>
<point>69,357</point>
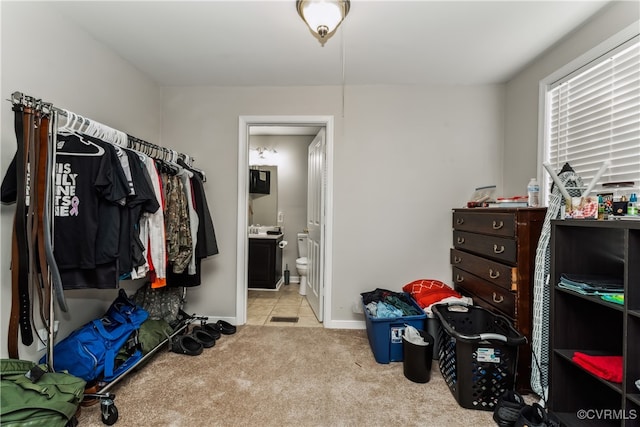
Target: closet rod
<point>47,107</point>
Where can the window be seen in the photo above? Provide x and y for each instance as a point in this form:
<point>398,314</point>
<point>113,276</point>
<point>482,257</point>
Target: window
<point>593,114</point>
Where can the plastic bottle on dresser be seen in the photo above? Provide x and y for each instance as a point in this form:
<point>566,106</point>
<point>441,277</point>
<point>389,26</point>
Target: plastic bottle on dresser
<point>601,209</point>
<point>533,191</point>
<point>632,205</point>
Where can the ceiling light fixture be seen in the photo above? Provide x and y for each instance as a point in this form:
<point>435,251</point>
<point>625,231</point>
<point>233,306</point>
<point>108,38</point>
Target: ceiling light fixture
<point>264,150</point>
<point>323,16</point>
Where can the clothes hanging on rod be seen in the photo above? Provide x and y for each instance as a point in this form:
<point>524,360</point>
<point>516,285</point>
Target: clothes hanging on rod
<point>108,193</point>
<point>206,243</point>
<point>144,238</point>
<point>189,227</point>
<point>90,194</point>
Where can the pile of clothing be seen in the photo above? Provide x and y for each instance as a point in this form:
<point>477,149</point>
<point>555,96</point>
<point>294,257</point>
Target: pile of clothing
<point>606,367</point>
<point>427,292</point>
<point>607,288</point>
<point>382,303</point>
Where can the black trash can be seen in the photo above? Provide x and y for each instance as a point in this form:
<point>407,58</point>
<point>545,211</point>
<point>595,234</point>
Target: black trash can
<point>417,358</point>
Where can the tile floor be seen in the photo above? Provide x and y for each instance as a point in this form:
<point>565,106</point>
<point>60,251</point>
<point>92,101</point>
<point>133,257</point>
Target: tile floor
<point>286,302</point>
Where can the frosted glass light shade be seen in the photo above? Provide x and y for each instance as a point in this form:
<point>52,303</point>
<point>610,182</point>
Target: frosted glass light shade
<point>323,16</point>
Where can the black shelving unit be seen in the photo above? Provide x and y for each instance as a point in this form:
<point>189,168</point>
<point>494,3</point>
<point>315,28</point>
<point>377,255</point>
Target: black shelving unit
<point>593,326</point>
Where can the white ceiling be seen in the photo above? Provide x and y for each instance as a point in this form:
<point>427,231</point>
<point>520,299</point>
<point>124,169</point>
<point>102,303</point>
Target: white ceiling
<point>265,43</point>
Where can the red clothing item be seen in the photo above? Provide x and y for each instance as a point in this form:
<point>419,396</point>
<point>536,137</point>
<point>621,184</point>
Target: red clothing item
<point>606,367</point>
<point>428,291</point>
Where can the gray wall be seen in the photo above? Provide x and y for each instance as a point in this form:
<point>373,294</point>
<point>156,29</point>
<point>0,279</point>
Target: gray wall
<point>403,157</point>
<point>84,77</point>
<point>521,124</point>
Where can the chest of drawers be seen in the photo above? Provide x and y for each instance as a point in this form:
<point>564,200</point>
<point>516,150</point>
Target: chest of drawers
<point>493,261</point>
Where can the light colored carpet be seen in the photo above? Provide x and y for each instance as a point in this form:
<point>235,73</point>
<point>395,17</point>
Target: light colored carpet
<point>274,376</point>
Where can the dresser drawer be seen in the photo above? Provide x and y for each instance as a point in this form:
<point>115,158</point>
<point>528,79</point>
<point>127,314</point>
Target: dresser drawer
<point>499,298</point>
<point>499,274</point>
<point>494,223</point>
<point>498,248</point>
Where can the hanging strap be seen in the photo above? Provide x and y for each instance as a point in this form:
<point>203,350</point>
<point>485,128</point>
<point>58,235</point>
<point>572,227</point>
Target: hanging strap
<point>47,235</point>
<point>39,181</point>
<point>32,203</point>
<point>20,302</point>
<point>23,231</point>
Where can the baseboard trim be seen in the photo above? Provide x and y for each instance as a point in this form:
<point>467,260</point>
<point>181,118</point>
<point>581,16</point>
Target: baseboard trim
<point>345,324</point>
<point>331,324</point>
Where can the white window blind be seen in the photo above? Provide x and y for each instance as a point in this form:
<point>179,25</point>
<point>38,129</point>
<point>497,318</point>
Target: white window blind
<point>593,115</point>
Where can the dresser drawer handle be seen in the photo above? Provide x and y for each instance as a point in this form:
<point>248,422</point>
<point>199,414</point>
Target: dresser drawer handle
<point>460,221</point>
<point>457,260</point>
<point>459,278</point>
<point>497,298</point>
<point>498,225</point>
<point>498,249</point>
<point>460,240</point>
<point>494,274</point>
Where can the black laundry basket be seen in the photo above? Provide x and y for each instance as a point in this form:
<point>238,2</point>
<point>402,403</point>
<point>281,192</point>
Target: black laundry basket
<point>478,354</point>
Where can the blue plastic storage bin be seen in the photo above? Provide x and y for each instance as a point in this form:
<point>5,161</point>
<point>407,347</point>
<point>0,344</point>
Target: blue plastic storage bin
<point>385,335</point>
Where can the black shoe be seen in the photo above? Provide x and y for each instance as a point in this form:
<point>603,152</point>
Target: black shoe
<point>204,338</point>
<point>210,329</point>
<point>186,344</point>
<point>508,408</point>
<point>532,416</point>
<point>552,420</point>
<point>225,327</point>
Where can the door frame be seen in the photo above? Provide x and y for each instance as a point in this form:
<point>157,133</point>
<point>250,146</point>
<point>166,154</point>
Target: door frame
<point>242,255</point>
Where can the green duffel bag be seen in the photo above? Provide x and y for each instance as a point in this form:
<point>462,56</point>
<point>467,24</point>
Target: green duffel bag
<point>31,398</point>
<point>151,333</point>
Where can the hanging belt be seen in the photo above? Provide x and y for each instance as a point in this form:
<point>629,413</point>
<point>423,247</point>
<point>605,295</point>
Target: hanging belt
<point>47,214</point>
<point>39,180</point>
<point>32,201</point>
<point>33,266</point>
<point>20,302</point>
<point>46,268</point>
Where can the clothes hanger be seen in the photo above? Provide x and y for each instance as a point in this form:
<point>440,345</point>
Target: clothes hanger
<point>72,127</point>
<point>97,130</point>
<point>179,167</point>
<point>203,176</point>
<point>80,123</point>
<point>66,115</point>
<point>174,156</point>
<point>187,162</point>
<point>161,161</point>
<point>69,120</point>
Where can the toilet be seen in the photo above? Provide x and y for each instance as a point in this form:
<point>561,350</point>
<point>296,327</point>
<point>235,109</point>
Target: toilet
<point>301,262</point>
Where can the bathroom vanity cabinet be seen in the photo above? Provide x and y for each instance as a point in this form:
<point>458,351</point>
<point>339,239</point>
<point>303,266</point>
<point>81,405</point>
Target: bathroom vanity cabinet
<point>493,262</point>
<point>593,326</point>
<point>265,262</point>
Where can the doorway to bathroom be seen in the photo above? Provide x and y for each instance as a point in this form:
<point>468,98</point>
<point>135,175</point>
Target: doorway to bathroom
<point>318,204</point>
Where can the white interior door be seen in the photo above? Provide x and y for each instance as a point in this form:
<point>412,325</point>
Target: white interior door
<point>316,184</point>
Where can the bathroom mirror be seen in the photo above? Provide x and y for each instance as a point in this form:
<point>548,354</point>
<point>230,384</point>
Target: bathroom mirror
<point>263,208</point>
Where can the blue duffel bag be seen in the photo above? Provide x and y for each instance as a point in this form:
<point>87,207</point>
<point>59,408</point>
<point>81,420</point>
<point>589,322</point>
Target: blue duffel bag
<point>90,352</point>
